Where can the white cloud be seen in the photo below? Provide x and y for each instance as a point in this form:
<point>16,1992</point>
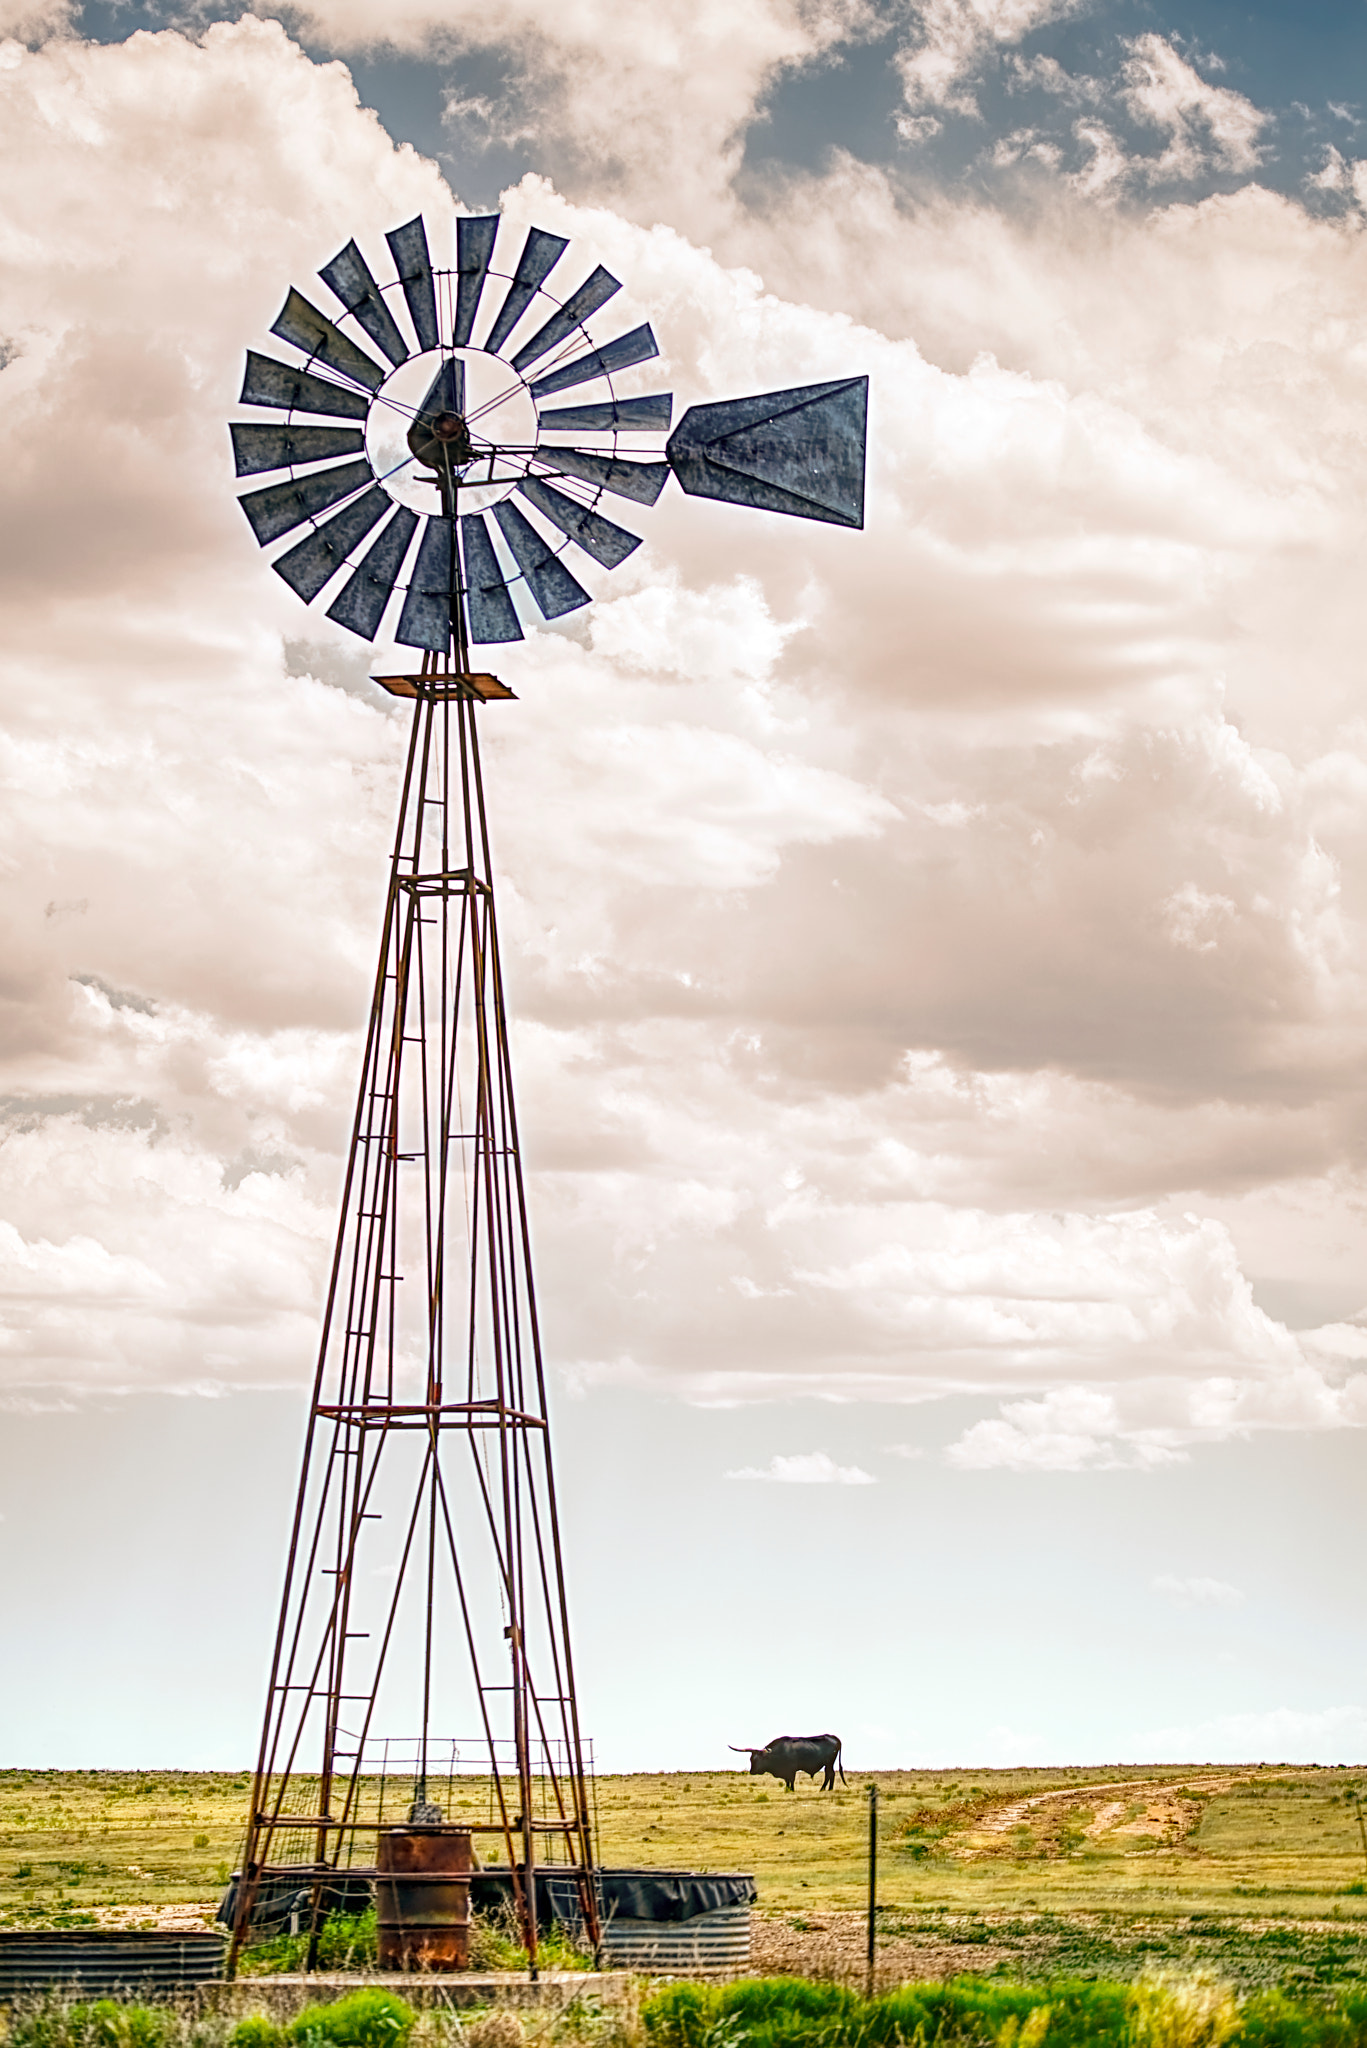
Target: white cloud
<point>1278,1735</point>
<point>1205,124</point>
<point>32,21</point>
<point>1046,74</point>
<point>1197,1592</point>
<point>651,97</point>
<point>897,925</point>
<point>1153,1422</point>
<point>955,37</point>
<point>806,1468</point>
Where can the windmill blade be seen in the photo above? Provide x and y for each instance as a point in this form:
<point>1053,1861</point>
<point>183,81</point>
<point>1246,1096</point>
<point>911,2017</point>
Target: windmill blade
<point>642,481</point>
<point>487,602</point>
<point>408,247</point>
<point>425,620</point>
<point>637,347</point>
<point>630,415</point>
<point>446,392</point>
<point>540,254</point>
<point>260,448</point>
<point>798,451</point>
<point>597,536</point>
<point>474,247</point>
<point>348,276</point>
<point>359,604</point>
<point>282,506</point>
<point>556,591</point>
<point>280,385</point>
<point>315,334</point>
<point>594,292</point>
<point>307,566</point>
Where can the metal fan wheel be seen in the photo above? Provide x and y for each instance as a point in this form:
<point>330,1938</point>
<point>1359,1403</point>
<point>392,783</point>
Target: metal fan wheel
<point>459,468</point>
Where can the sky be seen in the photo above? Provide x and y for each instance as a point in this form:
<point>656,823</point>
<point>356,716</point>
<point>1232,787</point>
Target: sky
<point>936,953</point>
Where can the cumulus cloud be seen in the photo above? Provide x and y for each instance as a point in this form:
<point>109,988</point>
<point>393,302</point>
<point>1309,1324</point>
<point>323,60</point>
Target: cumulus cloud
<point>953,37</point>
<point>651,97</point>
<point>1197,1592</point>
<point>913,937</point>
<point>1275,1735</point>
<point>1153,1421</point>
<point>806,1468</point>
<point>33,21</point>
<point>1203,122</point>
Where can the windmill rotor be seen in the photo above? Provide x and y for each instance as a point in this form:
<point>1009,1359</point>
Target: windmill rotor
<point>452,434</point>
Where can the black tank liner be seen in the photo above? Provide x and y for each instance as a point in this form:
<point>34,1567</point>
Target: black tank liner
<point>661,1895</point>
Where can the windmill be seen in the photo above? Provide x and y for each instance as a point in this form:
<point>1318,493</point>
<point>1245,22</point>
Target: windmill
<point>444,441</point>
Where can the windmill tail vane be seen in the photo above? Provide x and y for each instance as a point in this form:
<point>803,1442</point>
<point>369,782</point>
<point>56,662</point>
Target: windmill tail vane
<point>440,451</point>
<point>464,474</point>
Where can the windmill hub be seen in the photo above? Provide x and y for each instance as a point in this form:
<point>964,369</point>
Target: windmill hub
<point>442,441</point>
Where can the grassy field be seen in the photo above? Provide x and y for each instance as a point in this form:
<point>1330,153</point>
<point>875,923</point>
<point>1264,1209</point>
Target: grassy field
<point>1258,1870</point>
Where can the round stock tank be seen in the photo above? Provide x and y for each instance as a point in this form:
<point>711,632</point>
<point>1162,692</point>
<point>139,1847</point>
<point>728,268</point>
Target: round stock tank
<point>422,1898</point>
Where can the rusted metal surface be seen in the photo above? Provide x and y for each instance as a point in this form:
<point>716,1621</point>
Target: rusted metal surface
<point>425,1562</point>
<point>422,1898</point>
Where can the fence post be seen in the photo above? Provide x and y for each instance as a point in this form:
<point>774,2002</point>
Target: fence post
<point>873,1883</point>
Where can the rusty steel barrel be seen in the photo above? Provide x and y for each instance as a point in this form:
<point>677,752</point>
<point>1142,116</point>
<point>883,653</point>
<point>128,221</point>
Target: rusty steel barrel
<point>422,1898</point>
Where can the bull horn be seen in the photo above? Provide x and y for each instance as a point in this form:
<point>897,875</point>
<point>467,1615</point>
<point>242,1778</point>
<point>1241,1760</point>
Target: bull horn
<point>741,1748</point>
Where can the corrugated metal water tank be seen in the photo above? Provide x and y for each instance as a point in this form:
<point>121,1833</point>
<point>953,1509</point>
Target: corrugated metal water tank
<point>674,1920</point>
<point>719,1940</point>
<point>97,1963</point>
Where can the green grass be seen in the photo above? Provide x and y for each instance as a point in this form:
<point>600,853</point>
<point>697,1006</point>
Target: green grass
<point>1194,2012</point>
<point>1262,1871</point>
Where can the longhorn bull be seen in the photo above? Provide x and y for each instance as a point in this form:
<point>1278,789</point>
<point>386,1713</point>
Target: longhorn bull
<point>786,1755</point>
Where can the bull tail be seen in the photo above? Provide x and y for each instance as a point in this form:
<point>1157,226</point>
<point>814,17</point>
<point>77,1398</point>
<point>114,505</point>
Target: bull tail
<point>839,1766</point>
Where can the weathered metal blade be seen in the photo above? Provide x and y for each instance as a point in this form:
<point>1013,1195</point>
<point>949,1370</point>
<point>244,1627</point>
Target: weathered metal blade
<point>637,347</point>
<point>474,247</point>
<point>315,334</point>
<point>488,606</point>
<point>307,566</point>
<point>798,451</point>
<point>597,536</point>
<point>348,275</point>
<point>594,292</point>
<point>425,620</point>
<point>281,506</point>
<point>540,253</point>
<point>408,247</point>
<point>359,604</point>
<point>642,481</point>
<point>629,415</point>
<point>446,392</point>
<point>556,591</point>
<point>268,382</point>
<point>260,448</point>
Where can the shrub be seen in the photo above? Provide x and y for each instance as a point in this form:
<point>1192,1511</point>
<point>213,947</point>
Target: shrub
<point>363,2019</point>
<point>346,1941</point>
<point>103,2023</point>
<point>1188,2012</point>
<point>256,2031</point>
